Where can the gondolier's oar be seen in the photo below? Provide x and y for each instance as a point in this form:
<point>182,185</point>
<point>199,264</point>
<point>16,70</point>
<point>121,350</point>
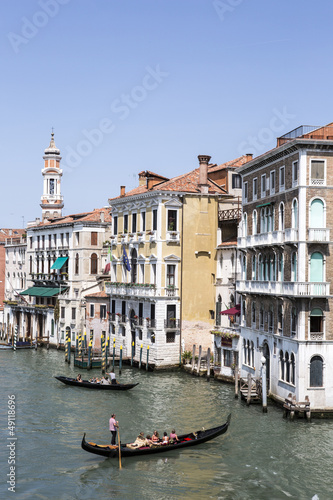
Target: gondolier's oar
<point>119,448</point>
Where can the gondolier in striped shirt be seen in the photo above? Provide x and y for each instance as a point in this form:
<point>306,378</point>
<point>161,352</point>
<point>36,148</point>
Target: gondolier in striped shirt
<point>113,425</point>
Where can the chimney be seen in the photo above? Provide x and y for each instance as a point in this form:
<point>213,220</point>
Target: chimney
<point>102,216</point>
<point>203,172</point>
<point>122,190</point>
<point>37,221</point>
<point>249,156</point>
<point>150,182</point>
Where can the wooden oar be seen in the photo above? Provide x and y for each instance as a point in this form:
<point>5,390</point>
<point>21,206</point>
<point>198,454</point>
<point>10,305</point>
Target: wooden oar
<point>119,448</point>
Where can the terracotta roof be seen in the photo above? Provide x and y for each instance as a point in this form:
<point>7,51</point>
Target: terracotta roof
<point>229,243</point>
<point>237,162</point>
<point>102,295</point>
<point>147,173</point>
<point>94,216</point>
<point>11,233</point>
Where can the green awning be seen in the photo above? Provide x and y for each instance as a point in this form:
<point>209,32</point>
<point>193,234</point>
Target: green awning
<point>264,205</point>
<point>41,291</point>
<point>59,263</point>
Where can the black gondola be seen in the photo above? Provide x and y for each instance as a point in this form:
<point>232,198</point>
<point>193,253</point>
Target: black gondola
<point>185,440</point>
<point>91,385</point>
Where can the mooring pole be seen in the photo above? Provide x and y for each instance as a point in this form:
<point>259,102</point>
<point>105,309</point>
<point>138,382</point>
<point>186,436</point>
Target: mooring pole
<point>120,359</point>
<point>106,351</point>
<point>264,384</point>
<point>236,381</point>
<point>249,389</point>
<point>15,337</point>
<point>89,355</point>
<point>132,354</point>
<point>147,358</point>
<point>199,359</point>
<point>114,352</point>
<point>140,356</point>
<point>193,357</point>
<point>208,364</point>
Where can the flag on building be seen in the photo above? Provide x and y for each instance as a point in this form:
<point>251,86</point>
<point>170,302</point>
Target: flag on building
<point>108,261</point>
<point>125,259</point>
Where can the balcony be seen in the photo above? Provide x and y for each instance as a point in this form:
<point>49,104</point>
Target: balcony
<point>173,237</point>
<point>294,289</point>
<point>151,323</point>
<point>114,240</point>
<point>316,336</point>
<point>171,324</point>
<point>171,291</point>
<point>291,235</point>
<point>319,234</point>
<point>132,289</point>
<point>152,236</point>
<point>270,238</point>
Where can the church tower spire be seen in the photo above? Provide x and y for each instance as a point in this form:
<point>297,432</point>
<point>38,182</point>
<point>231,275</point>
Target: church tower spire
<point>52,201</point>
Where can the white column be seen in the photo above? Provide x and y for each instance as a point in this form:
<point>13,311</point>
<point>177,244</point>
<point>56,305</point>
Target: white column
<point>303,209</point>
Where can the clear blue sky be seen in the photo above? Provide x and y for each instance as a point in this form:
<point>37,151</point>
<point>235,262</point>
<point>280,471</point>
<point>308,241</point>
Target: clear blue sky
<point>162,81</point>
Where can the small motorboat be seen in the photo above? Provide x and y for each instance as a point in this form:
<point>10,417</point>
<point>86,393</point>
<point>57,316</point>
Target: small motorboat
<point>184,441</point>
<point>93,385</point>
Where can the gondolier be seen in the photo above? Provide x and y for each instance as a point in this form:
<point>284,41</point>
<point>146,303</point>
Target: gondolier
<point>113,425</point>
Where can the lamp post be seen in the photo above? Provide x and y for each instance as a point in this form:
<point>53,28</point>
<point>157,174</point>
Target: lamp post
<point>264,383</point>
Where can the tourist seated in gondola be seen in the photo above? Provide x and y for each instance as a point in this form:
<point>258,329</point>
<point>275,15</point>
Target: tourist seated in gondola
<point>155,438</point>
<point>78,378</point>
<point>105,381</point>
<point>165,438</point>
<point>173,436</point>
<point>139,442</point>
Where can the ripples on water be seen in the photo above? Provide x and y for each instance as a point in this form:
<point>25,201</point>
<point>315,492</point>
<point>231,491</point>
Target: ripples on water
<point>262,456</point>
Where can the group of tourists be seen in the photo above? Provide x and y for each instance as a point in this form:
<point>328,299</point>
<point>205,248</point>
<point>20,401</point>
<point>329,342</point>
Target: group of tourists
<point>100,380</point>
<point>141,440</point>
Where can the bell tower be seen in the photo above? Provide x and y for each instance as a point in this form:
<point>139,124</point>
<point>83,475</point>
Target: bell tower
<point>51,201</point>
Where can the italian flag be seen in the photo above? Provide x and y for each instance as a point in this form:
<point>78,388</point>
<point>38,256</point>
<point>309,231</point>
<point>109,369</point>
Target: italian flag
<point>108,261</point>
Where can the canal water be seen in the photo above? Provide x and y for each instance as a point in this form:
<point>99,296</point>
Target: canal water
<point>262,456</point>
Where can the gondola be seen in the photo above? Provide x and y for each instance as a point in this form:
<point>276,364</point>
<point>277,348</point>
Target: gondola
<point>185,440</point>
<point>91,385</point>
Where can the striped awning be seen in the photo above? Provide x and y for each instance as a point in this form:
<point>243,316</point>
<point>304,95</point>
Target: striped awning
<point>41,291</point>
<point>59,263</point>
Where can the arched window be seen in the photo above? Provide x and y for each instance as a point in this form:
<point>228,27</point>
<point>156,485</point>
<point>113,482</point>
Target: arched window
<point>316,322</point>
<point>244,224</point>
<point>261,317</point>
<point>134,265</point>
<point>271,319</point>
<point>254,222</point>
<point>262,221</point>
<point>76,264</point>
<point>316,371</point>
<point>252,354</point>
<point>248,362</point>
<point>281,217</point>
<point>218,310</point>
<point>292,368</point>
<point>244,310</point>
<point>254,267</point>
<point>261,270</point>
<point>253,313</point>
<point>280,319</point>
<point>317,267</point>
<point>294,266</point>
<point>244,267</point>
<point>281,359</point>
<point>317,214</point>
<point>294,218</point>
<point>280,268</point>
<point>293,321</point>
<point>287,367</point>
<point>93,263</point>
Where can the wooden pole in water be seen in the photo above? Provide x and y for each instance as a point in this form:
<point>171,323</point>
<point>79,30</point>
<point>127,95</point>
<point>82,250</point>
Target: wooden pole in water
<point>147,365</point>
<point>15,337</point>
<point>132,354</point>
<point>236,381</point>
<point>249,388</point>
<point>140,357</point>
<point>106,352</point>
<point>193,357</point>
<point>199,359</point>
<point>89,355</point>
<point>208,364</point>
<point>263,382</point>
<point>66,348</point>
<point>120,359</point>
<point>103,352</point>
<point>114,352</point>
<point>119,448</point>
<point>80,345</point>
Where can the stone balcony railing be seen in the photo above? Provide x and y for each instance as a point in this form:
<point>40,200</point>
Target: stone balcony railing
<point>316,335</point>
<point>134,290</point>
<point>318,234</point>
<point>288,235</point>
<point>171,323</point>
<point>292,288</point>
<point>172,237</point>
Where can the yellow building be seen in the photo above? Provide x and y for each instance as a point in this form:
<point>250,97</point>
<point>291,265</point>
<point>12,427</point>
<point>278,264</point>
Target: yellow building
<point>163,263</point>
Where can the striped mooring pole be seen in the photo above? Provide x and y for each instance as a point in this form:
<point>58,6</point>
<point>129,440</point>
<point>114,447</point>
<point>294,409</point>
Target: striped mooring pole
<point>69,347</point>
<point>103,352</point>
<point>80,346</point>
<point>89,355</point>
<point>132,354</point>
<point>106,352</point>
<point>66,347</point>
<point>113,352</point>
<point>15,337</point>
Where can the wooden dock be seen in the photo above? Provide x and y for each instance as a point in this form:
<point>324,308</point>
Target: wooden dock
<point>300,409</point>
<point>250,390</point>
